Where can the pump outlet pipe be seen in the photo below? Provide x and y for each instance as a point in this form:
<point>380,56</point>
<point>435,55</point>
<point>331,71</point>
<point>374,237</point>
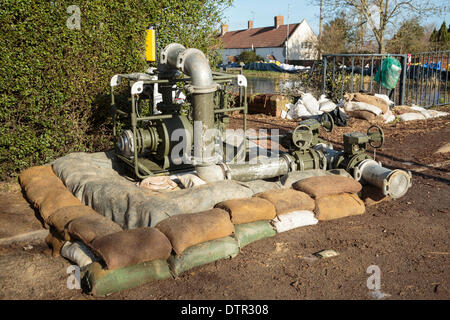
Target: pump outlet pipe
<point>193,63</point>
<point>394,183</point>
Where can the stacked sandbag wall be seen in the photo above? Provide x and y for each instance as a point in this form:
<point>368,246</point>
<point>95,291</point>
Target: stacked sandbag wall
<point>114,259</point>
<point>126,258</point>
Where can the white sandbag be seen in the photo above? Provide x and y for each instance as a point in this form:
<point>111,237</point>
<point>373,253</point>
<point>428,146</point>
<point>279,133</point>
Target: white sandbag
<point>294,219</point>
<point>361,106</point>
<point>311,104</point>
<point>298,110</point>
<point>388,116</point>
<point>77,252</point>
<point>429,113</point>
<point>437,114</point>
<point>325,104</point>
<point>385,98</point>
<point>323,98</point>
<point>411,116</point>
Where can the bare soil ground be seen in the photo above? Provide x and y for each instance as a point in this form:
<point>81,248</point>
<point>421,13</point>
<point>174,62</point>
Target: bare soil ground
<point>408,239</point>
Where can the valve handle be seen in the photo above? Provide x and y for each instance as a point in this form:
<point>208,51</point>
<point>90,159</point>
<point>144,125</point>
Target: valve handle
<point>326,117</point>
<point>302,140</point>
<point>376,136</point>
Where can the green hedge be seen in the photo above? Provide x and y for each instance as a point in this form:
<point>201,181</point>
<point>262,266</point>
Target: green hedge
<point>54,81</point>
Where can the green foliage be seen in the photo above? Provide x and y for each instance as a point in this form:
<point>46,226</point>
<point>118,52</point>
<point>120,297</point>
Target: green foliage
<point>54,84</point>
<point>408,39</point>
<point>337,35</point>
<point>440,39</point>
<point>249,57</point>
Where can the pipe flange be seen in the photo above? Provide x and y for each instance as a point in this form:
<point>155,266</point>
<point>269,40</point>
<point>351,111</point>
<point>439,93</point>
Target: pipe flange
<point>201,89</point>
<point>357,172</point>
<point>183,55</point>
<point>165,51</point>
<point>290,162</point>
<point>397,183</point>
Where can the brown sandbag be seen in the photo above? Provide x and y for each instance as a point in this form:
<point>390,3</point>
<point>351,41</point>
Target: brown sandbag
<point>372,195</point>
<point>39,187</point>
<point>373,100</point>
<point>39,171</point>
<point>362,114</point>
<point>92,226</point>
<point>61,217</point>
<point>288,200</point>
<point>338,206</point>
<point>186,230</point>
<point>248,210</point>
<point>55,242</point>
<point>399,110</point>
<point>125,248</point>
<point>318,187</point>
<point>56,199</point>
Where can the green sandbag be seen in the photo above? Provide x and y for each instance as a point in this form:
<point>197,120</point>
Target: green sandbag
<point>101,282</point>
<point>247,233</point>
<point>203,253</point>
<point>389,73</point>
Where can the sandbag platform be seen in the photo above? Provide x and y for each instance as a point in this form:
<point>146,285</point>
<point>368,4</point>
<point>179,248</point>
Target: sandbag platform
<point>122,235</point>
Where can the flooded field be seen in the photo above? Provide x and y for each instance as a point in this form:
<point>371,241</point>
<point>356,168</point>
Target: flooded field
<point>272,85</point>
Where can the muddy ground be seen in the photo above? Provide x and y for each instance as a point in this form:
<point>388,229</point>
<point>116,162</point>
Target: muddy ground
<point>408,239</point>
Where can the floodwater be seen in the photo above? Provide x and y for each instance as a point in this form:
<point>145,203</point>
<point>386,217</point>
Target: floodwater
<point>272,85</point>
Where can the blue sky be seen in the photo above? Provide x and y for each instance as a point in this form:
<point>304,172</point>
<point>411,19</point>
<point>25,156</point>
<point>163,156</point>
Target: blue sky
<point>263,11</point>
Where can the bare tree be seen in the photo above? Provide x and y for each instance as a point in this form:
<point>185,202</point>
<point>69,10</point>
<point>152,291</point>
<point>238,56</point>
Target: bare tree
<point>379,14</point>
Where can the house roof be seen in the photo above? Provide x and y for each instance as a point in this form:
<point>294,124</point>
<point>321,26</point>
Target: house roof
<point>258,37</point>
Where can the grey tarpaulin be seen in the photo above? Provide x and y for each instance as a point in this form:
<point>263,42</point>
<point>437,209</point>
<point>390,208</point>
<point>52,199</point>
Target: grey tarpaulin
<point>95,180</point>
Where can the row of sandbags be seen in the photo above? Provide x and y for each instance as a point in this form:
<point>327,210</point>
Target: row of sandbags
<point>90,239</point>
<point>406,113</point>
<point>368,107</point>
<point>307,106</point>
<point>179,242</point>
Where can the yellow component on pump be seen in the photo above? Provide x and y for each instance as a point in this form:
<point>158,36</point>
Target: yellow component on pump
<point>150,45</point>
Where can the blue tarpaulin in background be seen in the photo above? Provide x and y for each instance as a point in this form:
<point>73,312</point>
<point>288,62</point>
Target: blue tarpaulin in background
<point>266,67</point>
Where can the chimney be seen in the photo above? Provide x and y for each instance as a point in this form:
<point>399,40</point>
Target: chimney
<point>278,21</point>
<point>250,24</point>
<point>224,29</point>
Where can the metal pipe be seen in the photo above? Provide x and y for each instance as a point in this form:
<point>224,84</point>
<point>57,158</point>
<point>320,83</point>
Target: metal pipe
<point>193,63</point>
<point>394,183</point>
<point>267,168</point>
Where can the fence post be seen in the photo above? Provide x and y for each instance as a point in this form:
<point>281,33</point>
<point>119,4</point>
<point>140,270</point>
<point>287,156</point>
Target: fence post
<point>403,79</point>
<point>324,61</point>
